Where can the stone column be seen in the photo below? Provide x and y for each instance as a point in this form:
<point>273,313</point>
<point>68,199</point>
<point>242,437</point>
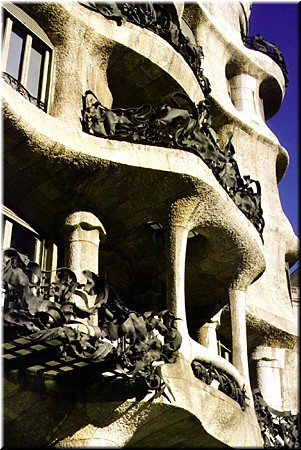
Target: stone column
<point>269,362</point>
<point>239,336</point>
<point>207,334</point>
<point>82,231</point>
<point>176,259</point>
<point>244,95</point>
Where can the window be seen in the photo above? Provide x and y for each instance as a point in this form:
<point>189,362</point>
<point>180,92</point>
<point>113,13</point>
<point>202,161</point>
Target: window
<point>18,234</point>
<point>224,351</point>
<point>26,56</point>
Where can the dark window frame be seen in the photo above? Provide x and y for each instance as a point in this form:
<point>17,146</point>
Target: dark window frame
<point>41,249</point>
<point>35,42</point>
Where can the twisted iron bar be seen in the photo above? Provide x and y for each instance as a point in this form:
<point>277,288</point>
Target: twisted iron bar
<point>260,44</point>
<point>208,373</point>
<point>278,428</point>
<point>9,79</point>
<point>162,20</point>
<point>134,345</point>
<point>175,126</point>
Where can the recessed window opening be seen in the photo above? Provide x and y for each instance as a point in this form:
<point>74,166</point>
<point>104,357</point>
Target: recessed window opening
<point>19,235</point>
<point>26,57</point>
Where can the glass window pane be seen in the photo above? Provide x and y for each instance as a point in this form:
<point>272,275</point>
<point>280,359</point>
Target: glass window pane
<point>23,241</point>
<point>27,61</point>
<point>34,71</point>
<point>15,55</point>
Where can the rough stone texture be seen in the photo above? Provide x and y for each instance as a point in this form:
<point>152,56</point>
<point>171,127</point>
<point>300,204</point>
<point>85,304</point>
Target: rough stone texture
<point>205,403</point>
<point>82,232</point>
<point>290,381</point>
<point>51,168</point>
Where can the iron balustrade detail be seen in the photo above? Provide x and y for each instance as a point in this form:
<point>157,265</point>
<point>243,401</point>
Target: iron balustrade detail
<point>9,79</point>
<point>183,127</point>
<point>207,373</point>
<point>278,428</point>
<point>260,44</point>
<point>133,345</point>
<point>157,17</point>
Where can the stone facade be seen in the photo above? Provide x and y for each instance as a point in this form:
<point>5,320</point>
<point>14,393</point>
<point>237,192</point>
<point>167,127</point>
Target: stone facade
<point>168,232</point>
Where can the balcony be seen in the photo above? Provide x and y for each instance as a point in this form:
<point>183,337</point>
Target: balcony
<point>260,44</point>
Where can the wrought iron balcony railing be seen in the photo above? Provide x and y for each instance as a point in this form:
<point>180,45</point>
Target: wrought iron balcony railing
<point>21,89</point>
<point>130,344</point>
<point>278,428</point>
<point>260,44</point>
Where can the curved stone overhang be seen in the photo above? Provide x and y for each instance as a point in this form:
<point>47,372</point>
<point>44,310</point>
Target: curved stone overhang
<point>270,329</point>
<point>89,416</point>
<point>141,45</point>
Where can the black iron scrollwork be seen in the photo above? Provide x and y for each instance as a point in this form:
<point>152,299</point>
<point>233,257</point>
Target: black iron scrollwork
<point>9,79</point>
<point>278,428</point>
<point>133,344</point>
<point>207,373</point>
<point>260,44</point>
<point>155,16</point>
<point>175,126</point>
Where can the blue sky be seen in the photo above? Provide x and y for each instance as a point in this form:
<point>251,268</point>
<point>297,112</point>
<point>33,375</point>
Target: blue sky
<point>278,22</point>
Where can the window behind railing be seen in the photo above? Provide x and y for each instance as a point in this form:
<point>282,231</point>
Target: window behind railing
<point>26,56</point>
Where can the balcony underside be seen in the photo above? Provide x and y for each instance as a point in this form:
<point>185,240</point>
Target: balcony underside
<point>80,413</point>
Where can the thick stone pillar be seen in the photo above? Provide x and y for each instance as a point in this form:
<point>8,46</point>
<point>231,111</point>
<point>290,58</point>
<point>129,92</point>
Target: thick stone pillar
<point>82,231</point>
<point>239,336</point>
<point>269,362</point>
